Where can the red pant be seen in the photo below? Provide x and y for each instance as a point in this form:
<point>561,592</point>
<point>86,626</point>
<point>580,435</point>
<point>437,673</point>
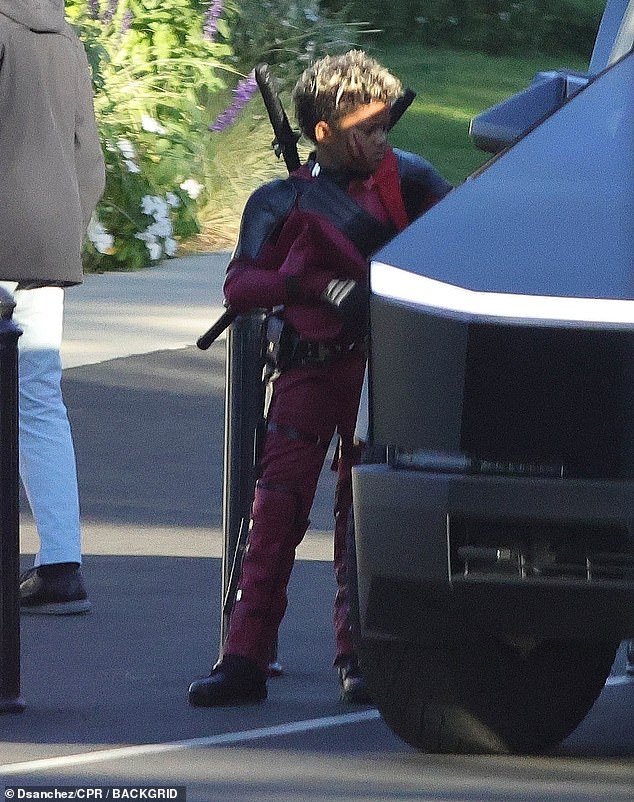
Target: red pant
<point>308,406</point>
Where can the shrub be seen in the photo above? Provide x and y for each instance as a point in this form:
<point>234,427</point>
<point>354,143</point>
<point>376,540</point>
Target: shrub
<point>288,34</point>
<point>163,69</point>
<point>152,67</point>
<point>489,26</point>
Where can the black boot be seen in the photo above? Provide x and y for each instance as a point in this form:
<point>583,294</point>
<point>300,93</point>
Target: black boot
<point>55,589</point>
<point>353,686</point>
<point>234,680</point>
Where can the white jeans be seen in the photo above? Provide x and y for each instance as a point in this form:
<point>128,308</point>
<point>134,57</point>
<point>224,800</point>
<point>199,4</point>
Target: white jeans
<point>47,454</point>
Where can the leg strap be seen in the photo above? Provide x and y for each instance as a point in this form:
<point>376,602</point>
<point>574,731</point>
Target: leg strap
<point>291,433</point>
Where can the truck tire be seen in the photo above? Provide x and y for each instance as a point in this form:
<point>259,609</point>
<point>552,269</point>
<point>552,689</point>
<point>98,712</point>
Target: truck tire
<point>487,697</point>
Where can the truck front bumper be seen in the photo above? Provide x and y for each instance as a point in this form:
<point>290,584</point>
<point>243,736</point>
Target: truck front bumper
<point>444,555</point>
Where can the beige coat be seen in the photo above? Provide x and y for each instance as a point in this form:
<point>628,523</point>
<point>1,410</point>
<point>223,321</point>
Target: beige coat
<point>51,164</point>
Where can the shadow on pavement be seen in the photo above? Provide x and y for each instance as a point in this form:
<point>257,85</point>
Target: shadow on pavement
<point>149,437</point>
<point>119,675</point>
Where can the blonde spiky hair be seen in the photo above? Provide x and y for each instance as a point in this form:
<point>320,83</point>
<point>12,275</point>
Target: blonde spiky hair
<point>336,85</point>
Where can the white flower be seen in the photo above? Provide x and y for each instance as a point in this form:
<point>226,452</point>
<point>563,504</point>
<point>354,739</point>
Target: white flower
<point>148,204</point>
<point>99,236</point>
<point>127,148</point>
<point>192,188</point>
<point>151,125</point>
<point>133,167</point>
<point>173,200</point>
<point>162,209</point>
<point>171,246</point>
<point>154,206</point>
<point>151,243</point>
<point>155,250</point>
<point>311,14</point>
<point>162,227</point>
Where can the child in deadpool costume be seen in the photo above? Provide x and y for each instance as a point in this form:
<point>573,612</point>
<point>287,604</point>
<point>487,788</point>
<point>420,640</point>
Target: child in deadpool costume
<point>304,246</point>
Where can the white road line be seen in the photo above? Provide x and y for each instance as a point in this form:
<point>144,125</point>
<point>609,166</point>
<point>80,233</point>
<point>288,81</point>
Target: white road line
<point>124,752</point>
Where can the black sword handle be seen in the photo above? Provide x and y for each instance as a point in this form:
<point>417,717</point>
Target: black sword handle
<point>223,322</point>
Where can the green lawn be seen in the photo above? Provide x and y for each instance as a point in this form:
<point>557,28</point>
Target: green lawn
<point>453,87</point>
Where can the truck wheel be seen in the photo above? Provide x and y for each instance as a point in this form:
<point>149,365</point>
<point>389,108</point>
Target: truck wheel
<point>488,696</point>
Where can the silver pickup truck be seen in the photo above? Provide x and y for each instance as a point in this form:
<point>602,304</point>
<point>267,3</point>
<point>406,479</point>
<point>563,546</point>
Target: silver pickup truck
<point>495,539</point>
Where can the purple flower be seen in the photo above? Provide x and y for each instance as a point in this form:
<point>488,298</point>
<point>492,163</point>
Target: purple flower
<point>126,21</point>
<point>211,19</point>
<point>110,11</point>
<point>241,96</point>
<point>93,9</point>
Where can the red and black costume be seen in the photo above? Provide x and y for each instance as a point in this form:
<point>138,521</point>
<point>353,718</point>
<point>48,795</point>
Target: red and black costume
<point>296,235</point>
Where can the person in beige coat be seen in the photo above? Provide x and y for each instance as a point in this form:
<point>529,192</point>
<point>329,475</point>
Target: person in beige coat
<point>51,178</point>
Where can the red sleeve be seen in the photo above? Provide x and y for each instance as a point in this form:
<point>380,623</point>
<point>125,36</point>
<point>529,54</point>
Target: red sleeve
<point>248,286</point>
<point>260,282</point>
<point>306,249</point>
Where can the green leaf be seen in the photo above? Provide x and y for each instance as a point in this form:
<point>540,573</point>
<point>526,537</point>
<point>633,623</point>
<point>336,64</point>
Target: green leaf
<point>164,41</point>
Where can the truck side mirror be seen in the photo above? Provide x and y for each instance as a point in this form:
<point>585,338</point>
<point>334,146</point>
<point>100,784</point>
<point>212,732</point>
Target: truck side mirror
<point>502,124</point>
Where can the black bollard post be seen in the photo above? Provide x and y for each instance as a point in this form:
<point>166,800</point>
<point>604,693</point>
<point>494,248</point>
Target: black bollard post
<point>244,429</point>
<point>10,699</point>
<point>244,402</point>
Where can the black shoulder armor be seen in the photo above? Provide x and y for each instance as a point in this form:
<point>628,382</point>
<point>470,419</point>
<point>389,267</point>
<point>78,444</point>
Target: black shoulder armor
<point>266,208</point>
<point>419,179</point>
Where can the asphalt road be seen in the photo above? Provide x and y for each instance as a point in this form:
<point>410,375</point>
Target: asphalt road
<point>106,693</point>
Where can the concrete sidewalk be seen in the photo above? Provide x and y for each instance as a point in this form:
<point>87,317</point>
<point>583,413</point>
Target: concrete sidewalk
<point>164,307</point>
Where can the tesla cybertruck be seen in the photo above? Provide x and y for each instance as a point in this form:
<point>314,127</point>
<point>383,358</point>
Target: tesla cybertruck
<point>495,541</point>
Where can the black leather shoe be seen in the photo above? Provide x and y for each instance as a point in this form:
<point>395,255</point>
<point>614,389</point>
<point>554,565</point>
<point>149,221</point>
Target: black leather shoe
<point>353,687</point>
<point>233,681</point>
<point>47,591</point>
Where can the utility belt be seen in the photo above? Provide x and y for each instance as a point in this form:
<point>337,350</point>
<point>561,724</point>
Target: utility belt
<point>283,348</point>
